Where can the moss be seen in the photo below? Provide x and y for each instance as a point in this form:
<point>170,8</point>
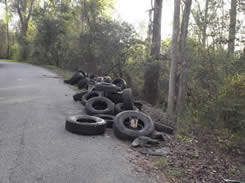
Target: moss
<point>162,162</point>
<point>175,172</point>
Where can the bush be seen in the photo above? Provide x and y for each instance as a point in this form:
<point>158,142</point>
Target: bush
<point>231,101</point>
<point>15,52</point>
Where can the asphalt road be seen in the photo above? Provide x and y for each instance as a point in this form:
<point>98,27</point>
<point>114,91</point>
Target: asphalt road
<point>35,147</point>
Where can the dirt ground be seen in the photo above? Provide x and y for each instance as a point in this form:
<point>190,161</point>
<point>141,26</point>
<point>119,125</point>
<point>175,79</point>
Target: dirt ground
<point>198,159</point>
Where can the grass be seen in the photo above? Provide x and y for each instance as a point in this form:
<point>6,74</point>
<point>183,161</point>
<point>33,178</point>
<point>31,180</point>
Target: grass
<point>175,172</point>
<point>7,60</point>
<point>63,73</point>
<point>13,61</point>
<point>162,162</point>
<point>170,172</point>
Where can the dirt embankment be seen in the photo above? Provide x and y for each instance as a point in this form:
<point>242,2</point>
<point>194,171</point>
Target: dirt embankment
<point>198,159</point>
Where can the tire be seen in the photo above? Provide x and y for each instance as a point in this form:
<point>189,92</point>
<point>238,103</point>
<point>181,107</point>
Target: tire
<point>106,87</point>
<point>85,125</point>
<point>108,118</point>
<point>121,107</point>
<point>92,76</point>
<point>124,132</point>
<point>163,128</point>
<point>67,81</point>
<point>83,83</point>
<point>127,98</point>
<point>90,95</point>
<point>91,85</point>
<point>99,105</point>
<point>76,78</point>
<point>78,96</point>
<point>115,97</point>
<point>99,79</point>
<point>83,73</point>
<point>107,79</point>
<point>120,83</point>
<point>138,104</point>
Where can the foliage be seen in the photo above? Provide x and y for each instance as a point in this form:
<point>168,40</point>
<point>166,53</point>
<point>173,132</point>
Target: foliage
<point>3,39</point>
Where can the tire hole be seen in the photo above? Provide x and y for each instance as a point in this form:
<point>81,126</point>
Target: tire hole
<point>99,105</point>
<point>86,121</point>
<point>128,123</point>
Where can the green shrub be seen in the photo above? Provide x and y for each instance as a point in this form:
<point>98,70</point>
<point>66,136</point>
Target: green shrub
<point>15,52</point>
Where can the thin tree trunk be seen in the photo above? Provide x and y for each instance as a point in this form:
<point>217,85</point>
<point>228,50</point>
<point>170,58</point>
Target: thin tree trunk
<point>24,13</point>
<point>7,28</point>
<point>156,36</point>
<point>204,31</point>
<point>183,74</point>
<point>151,75</point>
<point>174,59</point>
<point>92,68</point>
<point>232,28</point>
<point>8,46</point>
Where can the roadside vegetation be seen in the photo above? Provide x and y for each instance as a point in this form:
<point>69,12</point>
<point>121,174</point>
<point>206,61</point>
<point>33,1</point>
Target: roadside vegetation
<point>197,77</point>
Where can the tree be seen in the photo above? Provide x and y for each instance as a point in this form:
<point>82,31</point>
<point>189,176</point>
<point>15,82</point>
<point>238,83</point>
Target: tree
<point>6,21</point>
<point>184,66</point>
<point>24,13</point>
<point>7,25</point>
<point>178,52</point>
<point>232,27</point>
<point>204,31</point>
<point>156,33</point>
<point>2,39</point>
<point>151,75</point>
<point>174,59</point>
<point>24,10</point>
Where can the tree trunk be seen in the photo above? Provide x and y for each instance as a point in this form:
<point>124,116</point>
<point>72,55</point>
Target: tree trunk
<point>156,33</point>
<point>7,28</point>
<point>151,75</point>
<point>183,73</point>
<point>204,31</point>
<point>174,59</point>
<point>24,13</point>
<point>232,28</point>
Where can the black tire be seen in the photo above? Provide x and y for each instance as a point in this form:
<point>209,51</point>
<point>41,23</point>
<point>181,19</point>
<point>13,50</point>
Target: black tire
<point>163,128</point>
<point>106,87</point>
<point>108,118</point>
<point>124,132</point>
<point>99,105</point>
<point>92,76</point>
<point>76,77</point>
<point>120,83</point>
<point>67,81</point>
<point>122,107</point>
<point>91,85</point>
<point>85,125</point>
<point>90,95</point>
<point>78,96</point>
<point>83,83</point>
<point>138,104</point>
<point>115,97</point>
<point>107,79</point>
<point>83,73</point>
<point>127,98</point>
<point>99,79</point>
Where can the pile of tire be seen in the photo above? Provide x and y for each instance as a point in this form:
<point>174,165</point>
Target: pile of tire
<point>108,104</point>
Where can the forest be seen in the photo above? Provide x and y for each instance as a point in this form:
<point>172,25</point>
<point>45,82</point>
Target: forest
<point>196,77</point>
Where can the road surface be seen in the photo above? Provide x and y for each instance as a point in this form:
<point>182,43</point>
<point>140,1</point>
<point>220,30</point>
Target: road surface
<point>35,147</point>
